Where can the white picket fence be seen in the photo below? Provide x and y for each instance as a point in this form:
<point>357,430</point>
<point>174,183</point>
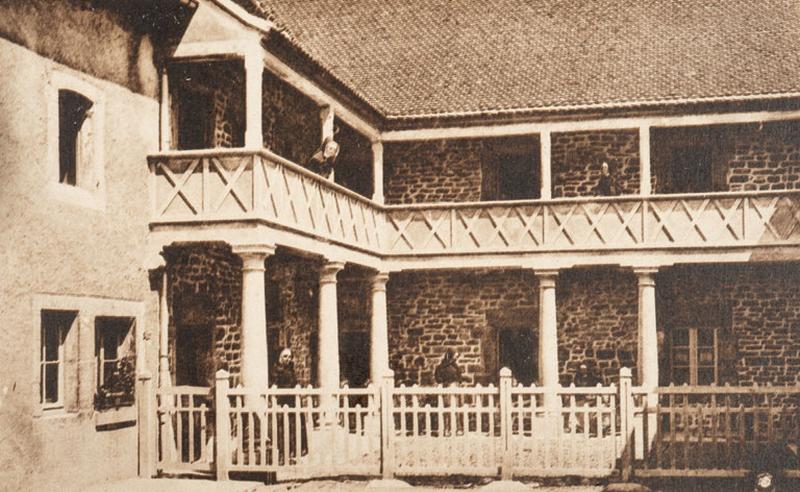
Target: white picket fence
<point>503,430</point>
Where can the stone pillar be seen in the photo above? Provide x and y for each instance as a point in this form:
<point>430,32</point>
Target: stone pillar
<point>648,336</point>
<point>254,72</point>
<point>377,172</point>
<point>255,363</point>
<point>546,166</point>
<point>328,328</point>
<point>379,336</point>
<point>548,333</point>
<point>644,160</point>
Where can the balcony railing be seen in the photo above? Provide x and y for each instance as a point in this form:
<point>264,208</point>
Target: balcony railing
<point>236,185</point>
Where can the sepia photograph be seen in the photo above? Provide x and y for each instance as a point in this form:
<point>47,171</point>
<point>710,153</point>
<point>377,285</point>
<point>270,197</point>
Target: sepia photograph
<point>400,245</point>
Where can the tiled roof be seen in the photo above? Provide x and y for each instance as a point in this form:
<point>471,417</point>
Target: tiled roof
<point>436,57</point>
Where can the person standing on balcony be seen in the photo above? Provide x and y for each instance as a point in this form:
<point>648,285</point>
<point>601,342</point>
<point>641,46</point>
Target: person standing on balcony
<point>607,186</point>
<point>448,373</point>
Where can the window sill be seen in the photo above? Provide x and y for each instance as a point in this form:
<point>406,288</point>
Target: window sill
<point>75,195</point>
<point>115,416</point>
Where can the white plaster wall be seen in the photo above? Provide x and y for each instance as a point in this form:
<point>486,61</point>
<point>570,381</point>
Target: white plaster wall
<point>49,246</point>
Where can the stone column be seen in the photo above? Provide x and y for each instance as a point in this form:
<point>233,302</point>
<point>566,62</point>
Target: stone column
<point>644,160</point>
<point>548,333</point>
<point>255,363</point>
<point>254,72</point>
<point>377,172</point>
<point>648,336</point>
<point>546,166</point>
<point>328,328</point>
<point>379,336</point>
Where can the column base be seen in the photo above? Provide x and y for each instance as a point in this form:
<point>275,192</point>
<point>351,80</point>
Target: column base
<point>506,486</point>
<point>387,484</point>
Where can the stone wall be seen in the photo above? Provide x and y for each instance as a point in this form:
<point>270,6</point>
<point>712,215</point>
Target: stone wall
<point>756,307</point>
<point>205,287</point>
<point>597,322</point>
<point>433,171</point>
<point>765,158</point>
<point>432,311</point>
<point>577,157</point>
<point>291,122</point>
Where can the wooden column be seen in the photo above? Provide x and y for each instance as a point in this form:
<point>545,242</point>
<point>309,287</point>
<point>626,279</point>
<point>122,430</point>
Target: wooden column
<point>377,172</point>
<point>644,160</point>
<point>548,332</point>
<point>546,166</point>
<point>327,118</point>
<point>379,336</point>
<point>255,363</point>
<point>254,71</point>
<point>165,114</point>
<point>647,334</point>
<point>164,378</point>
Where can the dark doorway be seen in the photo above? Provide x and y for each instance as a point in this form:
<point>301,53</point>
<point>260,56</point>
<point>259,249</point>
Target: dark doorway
<point>354,357</point>
<point>516,351</point>
<point>691,169</point>
<point>194,355</point>
<point>510,169</point>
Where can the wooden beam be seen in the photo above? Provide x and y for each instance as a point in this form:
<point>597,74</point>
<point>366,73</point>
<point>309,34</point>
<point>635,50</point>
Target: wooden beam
<point>546,166</point>
<point>645,187</point>
<point>586,125</point>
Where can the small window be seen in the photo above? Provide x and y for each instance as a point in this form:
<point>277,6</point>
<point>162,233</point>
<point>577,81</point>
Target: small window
<point>54,325</point>
<point>116,362</point>
<point>74,139</point>
<point>694,356</point>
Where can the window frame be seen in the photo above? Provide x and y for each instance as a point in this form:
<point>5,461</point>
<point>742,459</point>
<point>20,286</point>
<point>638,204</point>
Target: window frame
<point>693,365</point>
<point>88,195</point>
<point>60,361</point>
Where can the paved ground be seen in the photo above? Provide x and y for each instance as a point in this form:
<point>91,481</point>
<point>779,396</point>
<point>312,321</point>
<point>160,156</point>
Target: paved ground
<point>188,485</point>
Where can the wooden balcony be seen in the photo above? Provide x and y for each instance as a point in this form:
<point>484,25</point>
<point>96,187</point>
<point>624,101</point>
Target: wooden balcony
<point>236,186</point>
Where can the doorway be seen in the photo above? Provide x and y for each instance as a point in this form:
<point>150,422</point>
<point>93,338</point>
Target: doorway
<point>194,355</point>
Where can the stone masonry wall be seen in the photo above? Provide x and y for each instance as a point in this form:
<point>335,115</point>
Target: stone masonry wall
<point>432,311</point>
<point>597,322</point>
<point>291,121</point>
<point>577,157</point>
<point>205,287</point>
<point>758,308</point>
<point>765,159</point>
<point>433,171</point>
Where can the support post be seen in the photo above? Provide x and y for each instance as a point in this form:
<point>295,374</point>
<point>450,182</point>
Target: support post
<point>255,363</point>
<point>548,332</point>
<point>327,118</point>
<point>329,336</point>
<point>377,172</point>
<point>165,113</point>
<point>164,378</point>
<point>645,187</point>
<point>507,467</point>
<point>147,429</point>
<point>648,351</point>
<point>387,425</point>
<point>379,336</point>
<point>546,165</point>
<point>626,409</point>
<point>223,424</point>
<point>254,72</point>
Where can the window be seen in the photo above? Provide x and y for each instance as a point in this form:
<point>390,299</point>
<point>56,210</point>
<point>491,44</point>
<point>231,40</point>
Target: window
<point>75,111</point>
<point>54,328</point>
<point>74,138</point>
<point>694,356</point>
<point>116,362</point>
<point>510,170</point>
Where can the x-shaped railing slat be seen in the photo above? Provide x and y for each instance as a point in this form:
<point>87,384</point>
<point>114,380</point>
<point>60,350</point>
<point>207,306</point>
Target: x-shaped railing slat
<point>527,223</point>
<point>230,182</point>
<point>594,221</point>
<point>727,216</point>
<point>625,220</point>
<point>433,225</point>
<point>562,221</point>
<point>662,216</point>
<point>497,224</point>
<point>694,215</point>
<point>177,185</point>
<point>469,224</point>
<point>766,218</point>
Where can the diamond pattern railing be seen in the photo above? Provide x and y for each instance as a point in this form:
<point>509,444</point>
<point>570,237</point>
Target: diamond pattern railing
<point>234,185</point>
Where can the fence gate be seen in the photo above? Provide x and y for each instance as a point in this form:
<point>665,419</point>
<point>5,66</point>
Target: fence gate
<point>185,423</point>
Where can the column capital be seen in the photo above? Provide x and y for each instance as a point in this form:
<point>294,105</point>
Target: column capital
<point>253,255</point>
<point>547,278</point>
<point>379,280</point>
<point>327,274</point>
<point>646,275</point>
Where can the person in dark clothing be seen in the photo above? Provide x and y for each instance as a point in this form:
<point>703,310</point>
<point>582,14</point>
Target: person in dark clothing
<point>584,377</point>
<point>607,186</point>
<point>283,376</point>
<point>448,373</point>
<point>283,372</point>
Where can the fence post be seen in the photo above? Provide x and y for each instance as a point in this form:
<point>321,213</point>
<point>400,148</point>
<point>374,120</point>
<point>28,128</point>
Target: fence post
<point>146,418</point>
<point>387,426</point>
<point>507,467</point>
<point>626,410</point>
<point>222,437</point>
